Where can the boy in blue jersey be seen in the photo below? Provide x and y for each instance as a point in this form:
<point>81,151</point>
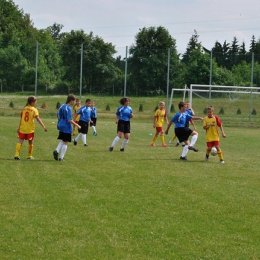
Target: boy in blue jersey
<point>84,112</point>
<point>182,131</point>
<point>93,118</point>
<point>123,115</point>
<point>64,115</point>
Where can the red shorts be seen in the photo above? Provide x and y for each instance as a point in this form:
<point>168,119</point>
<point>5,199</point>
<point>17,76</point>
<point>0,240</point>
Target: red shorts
<point>212,144</point>
<point>26,136</point>
<point>159,129</point>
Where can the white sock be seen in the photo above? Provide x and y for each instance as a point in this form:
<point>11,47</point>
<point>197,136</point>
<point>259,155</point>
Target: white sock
<point>185,151</point>
<point>63,151</point>
<point>78,137</point>
<point>116,140</point>
<point>84,138</point>
<point>193,140</point>
<point>124,143</point>
<point>94,128</point>
<point>59,146</point>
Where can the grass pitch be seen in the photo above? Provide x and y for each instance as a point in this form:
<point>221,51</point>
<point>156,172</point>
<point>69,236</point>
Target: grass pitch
<point>143,203</point>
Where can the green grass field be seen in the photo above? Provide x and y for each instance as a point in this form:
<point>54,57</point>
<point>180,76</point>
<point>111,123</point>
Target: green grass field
<point>143,203</point>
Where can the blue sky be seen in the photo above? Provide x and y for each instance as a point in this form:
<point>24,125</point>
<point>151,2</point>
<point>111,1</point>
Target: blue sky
<point>118,21</point>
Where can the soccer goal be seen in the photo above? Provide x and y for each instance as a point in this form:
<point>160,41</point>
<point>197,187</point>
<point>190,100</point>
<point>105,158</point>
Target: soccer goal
<point>237,103</point>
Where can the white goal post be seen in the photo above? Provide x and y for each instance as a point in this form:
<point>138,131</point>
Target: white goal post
<point>211,90</point>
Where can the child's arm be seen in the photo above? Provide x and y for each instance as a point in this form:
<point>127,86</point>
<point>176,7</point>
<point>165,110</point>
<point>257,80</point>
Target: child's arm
<point>154,121</point>
<point>74,123</point>
<point>168,127</point>
<point>41,123</point>
<point>222,131</point>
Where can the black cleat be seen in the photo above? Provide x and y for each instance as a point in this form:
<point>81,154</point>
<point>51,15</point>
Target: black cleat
<point>122,149</point>
<point>183,158</point>
<point>110,149</point>
<point>55,155</point>
<point>193,149</point>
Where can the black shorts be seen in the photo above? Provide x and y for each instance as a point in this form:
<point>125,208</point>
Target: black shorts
<point>183,133</point>
<point>123,126</point>
<point>94,121</point>
<point>84,127</point>
<point>65,137</point>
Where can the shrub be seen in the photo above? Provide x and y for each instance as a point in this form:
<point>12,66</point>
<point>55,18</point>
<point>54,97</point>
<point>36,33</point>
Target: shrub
<point>107,108</point>
<point>141,108</point>
<point>43,105</point>
<point>11,104</point>
<point>254,112</point>
<point>239,111</point>
<point>221,111</point>
<point>58,105</point>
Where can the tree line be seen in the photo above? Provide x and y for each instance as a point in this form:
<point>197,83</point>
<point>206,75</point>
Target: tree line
<point>153,60</point>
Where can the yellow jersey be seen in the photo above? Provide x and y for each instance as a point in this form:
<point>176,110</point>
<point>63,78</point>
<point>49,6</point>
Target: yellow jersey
<point>160,116</point>
<point>75,110</point>
<point>27,115</point>
<point>212,133</point>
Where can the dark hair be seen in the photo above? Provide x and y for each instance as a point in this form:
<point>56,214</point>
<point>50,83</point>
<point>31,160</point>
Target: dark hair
<point>123,100</point>
<point>87,100</point>
<point>31,99</point>
<point>70,97</point>
<point>181,104</point>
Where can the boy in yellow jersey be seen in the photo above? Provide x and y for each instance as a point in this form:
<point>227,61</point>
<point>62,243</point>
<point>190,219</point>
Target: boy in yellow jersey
<point>76,107</point>
<point>211,123</point>
<point>26,127</point>
<point>159,116</point>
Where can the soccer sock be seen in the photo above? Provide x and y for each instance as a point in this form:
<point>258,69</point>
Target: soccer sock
<point>59,146</point>
<point>154,138</point>
<point>78,137</point>
<point>63,151</point>
<point>124,143</point>
<point>18,149</point>
<point>162,138</point>
<point>220,154</point>
<point>174,137</point>
<point>84,138</point>
<point>93,128</point>
<point>116,140</point>
<point>193,140</point>
<point>30,150</point>
<point>185,151</point>
<point>207,152</point>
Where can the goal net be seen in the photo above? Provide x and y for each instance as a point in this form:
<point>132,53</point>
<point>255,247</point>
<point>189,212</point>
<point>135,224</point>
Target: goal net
<point>236,105</point>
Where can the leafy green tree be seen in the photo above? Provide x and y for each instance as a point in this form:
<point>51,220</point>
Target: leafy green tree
<point>148,61</point>
<point>99,67</point>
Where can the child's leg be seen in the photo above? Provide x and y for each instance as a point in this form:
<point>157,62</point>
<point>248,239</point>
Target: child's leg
<point>30,148</point>
<point>162,137</point>
<point>18,147</point>
<point>84,138</point>
<point>115,141</point>
<point>63,150</point>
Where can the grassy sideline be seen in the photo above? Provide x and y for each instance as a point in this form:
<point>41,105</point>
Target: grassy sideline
<point>141,204</point>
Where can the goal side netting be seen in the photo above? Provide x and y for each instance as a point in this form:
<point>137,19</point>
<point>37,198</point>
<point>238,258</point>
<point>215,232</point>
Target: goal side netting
<point>237,103</point>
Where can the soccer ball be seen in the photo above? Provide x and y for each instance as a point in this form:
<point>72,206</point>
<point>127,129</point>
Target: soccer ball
<point>214,151</point>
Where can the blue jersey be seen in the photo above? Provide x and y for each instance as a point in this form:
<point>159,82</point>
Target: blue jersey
<point>84,113</point>
<point>180,119</point>
<point>94,112</point>
<point>124,113</point>
<point>64,114</point>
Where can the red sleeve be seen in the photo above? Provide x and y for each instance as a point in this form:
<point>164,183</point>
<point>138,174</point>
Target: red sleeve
<point>165,114</point>
<point>219,123</point>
